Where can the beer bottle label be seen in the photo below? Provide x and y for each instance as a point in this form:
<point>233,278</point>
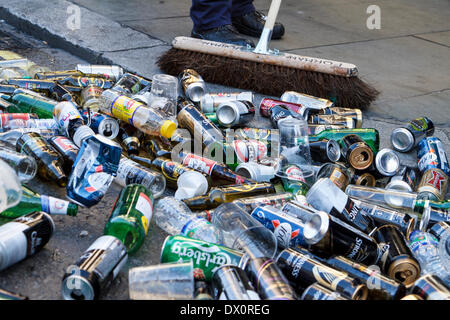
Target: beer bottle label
<point>202,164</point>
<point>145,206</point>
<point>38,232</point>
<point>123,108</point>
<point>65,144</point>
<point>54,205</point>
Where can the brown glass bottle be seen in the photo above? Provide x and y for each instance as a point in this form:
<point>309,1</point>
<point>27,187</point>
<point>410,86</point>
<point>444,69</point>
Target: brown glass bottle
<point>171,170</point>
<point>50,163</point>
<point>67,149</point>
<point>219,172</point>
<point>219,195</point>
<point>84,81</point>
<point>128,137</point>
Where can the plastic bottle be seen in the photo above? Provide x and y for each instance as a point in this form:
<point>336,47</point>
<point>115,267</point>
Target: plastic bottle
<point>425,248</point>
<point>149,121</point>
<point>174,217</point>
<point>130,172</point>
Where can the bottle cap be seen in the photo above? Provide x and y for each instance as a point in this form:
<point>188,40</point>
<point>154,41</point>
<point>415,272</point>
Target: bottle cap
<point>168,128</point>
<point>82,133</point>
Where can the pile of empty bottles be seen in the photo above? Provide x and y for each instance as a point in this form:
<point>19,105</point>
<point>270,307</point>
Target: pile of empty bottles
<point>309,209</point>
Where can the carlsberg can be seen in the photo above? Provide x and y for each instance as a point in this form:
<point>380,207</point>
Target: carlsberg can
<point>206,256</point>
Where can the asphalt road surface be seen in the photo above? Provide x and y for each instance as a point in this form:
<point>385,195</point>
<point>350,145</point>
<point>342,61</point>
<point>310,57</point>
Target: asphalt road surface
<point>39,277</point>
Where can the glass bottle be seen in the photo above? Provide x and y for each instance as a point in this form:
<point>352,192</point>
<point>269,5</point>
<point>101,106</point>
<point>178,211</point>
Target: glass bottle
<point>131,216</point>
<point>131,172</point>
<point>50,163</point>
<point>32,201</point>
<point>24,165</point>
<point>10,187</point>
<point>33,103</point>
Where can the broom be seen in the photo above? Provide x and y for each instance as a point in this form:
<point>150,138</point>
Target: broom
<point>267,71</point>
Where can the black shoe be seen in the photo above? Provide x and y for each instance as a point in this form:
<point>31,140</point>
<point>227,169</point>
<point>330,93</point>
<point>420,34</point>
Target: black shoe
<point>226,34</point>
<point>252,24</point>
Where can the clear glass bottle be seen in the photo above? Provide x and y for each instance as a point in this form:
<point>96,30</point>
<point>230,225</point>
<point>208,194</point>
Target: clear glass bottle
<point>10,187</point>
<point>24,165</point>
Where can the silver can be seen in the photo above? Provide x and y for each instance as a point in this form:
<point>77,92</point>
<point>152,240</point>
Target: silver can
<point>23,237</point>
<point>113,72</point>
<point>387,162</point>
<point>235,113</point>
<point>95,269</point>
<point>306,100</point>
<point>193,84</point>
<point>211,101</point>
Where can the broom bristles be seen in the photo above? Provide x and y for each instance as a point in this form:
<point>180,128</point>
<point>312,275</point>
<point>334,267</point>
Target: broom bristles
<point>348,92</point>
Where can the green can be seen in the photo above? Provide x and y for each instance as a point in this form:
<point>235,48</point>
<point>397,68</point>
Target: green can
<point>206,256</point>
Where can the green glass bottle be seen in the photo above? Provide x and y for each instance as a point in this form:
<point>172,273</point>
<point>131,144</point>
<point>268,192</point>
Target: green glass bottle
<point>32,201</point>
<point>33,103</point>
<point>369,135</point>
<point>420,205</point>
<point>130,217</point>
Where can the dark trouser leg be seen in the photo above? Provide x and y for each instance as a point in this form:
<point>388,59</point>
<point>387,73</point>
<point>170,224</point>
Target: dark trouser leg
<point>242,7</point>
<point>208,14</point>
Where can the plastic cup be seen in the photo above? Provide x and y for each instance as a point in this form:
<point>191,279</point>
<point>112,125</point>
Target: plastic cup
<point>167,281</point>
<point>164,85</point>
<point>294,142</point>
<point>243,232</point>
<point>191,184</point>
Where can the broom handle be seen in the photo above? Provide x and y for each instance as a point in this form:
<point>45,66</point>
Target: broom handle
<point>263,44</point>
<point>283,59</point>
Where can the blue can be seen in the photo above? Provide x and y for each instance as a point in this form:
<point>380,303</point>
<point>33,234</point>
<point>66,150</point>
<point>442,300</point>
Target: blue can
<point>94,170</point>
<point>431,155</point>
<point>102,124</point>
<point>287,229</point>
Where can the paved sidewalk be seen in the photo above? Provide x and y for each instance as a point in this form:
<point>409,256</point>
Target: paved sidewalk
<point>407,60</point>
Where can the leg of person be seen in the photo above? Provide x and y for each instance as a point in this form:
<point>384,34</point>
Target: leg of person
<point>249,21</point>
<point>212,21</point>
